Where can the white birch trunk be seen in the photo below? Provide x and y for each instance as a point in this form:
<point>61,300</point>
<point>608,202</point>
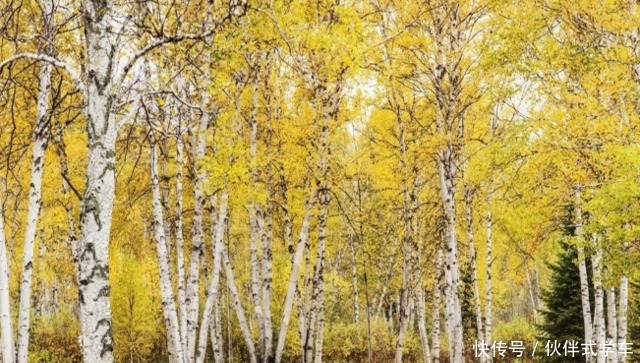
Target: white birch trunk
<point>182,304</point>
<point>599,329</point>
<point>317,283</point>
<point>215,326</point>
<point>422,329</point>
<point>488,325</point>
<point>214,282</point>
<point>97,202</point>
<point>612,325</point>
<point>474,268</point>
<point>408,243</point>
<point>166,289</point>
<point>216,332</point>
<point>237,306</point>
<point>293,278</point>
<point>453,314</point>
<point>197,246</point>
<point>435,312</point>
<point>622,315</point>
<point>255,275</point>
<point>584,279</point>
<point>6,328</point>
<point>41,139</point>
<point>320,329</point>
<point>267,272</point>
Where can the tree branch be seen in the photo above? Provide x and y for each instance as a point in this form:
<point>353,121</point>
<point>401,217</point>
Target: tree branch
<point>75,76</point>
<point>236,8</point>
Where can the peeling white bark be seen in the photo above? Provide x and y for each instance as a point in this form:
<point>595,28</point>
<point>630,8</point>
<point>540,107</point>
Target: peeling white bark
<point>97,202</point>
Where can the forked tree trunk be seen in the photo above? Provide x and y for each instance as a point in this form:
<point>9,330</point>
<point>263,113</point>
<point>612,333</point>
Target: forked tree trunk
<point>166,289</point>
<point>316,316</point>
<point>293,277</point>
<point>197,245</point>
<point>214,282</point>
<point>237,306</point>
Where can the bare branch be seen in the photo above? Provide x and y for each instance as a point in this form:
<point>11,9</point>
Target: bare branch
<point>236,8</point>
<point>75,76</point>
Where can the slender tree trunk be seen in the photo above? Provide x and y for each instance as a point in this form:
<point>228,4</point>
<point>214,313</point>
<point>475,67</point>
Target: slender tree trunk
<point>320,329</point>
<point>383,293</point>
<point>6,328</point>
<point>488,325</point>
<point>182,300</point>
<point>214,282</point>
<point>409,248</point>
<point>435,312</point>
<point>215,325</point>
<point>354,279</point>
<point>531,288</point>
<point>473,264</point>
<point>41,139</point>
<point>622,315</point>
<point>599,329</point>
<point>612,325</point>
<point>584,279</point>
<point>166,288</point>
<point>216,332</point>
<point>255,275</point>
<point>293,277</point>
<point>316,301</point>
<point>453,311</point>
<point>197,246</point>
<point>237,306</point>
<point>267,275</point>
<point>422,329</point>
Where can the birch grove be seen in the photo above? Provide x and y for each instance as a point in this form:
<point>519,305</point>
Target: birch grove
<point>295,181</point>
